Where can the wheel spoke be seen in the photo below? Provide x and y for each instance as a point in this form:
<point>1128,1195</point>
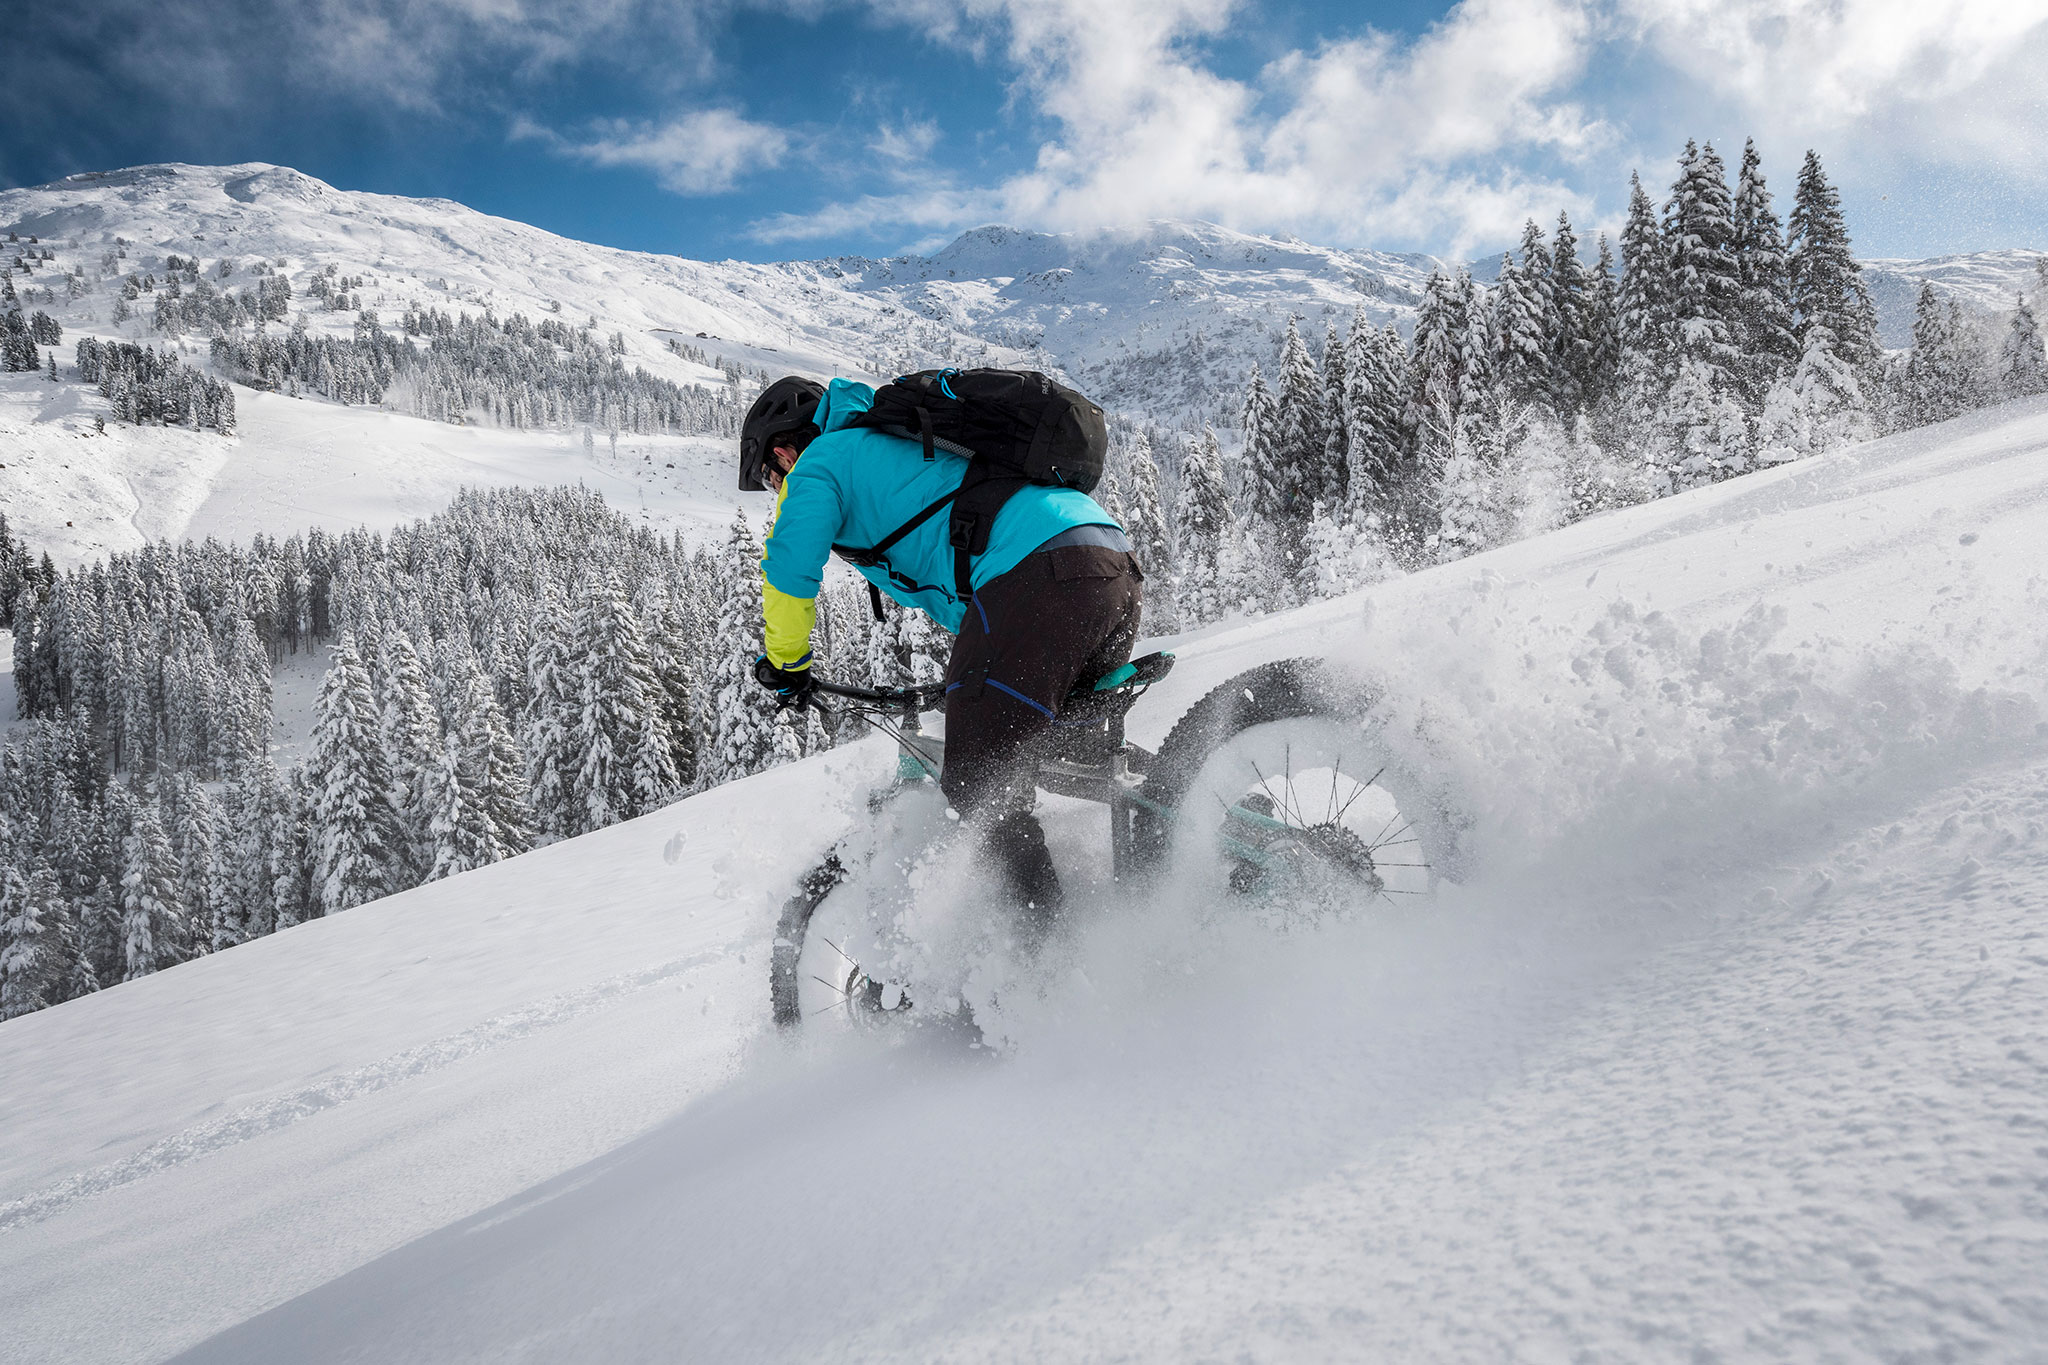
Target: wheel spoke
<point>1330,807</point>
<point>1264,784</point>
<point>1361,790</point>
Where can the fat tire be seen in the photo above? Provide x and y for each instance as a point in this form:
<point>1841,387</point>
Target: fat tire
<point>784,997</point>
<point>1284,689</point>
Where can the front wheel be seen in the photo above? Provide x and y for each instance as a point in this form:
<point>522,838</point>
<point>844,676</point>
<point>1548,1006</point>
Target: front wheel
<point>1281,785</point>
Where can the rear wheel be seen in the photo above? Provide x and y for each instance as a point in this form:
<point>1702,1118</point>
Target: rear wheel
<point>1280,786</point>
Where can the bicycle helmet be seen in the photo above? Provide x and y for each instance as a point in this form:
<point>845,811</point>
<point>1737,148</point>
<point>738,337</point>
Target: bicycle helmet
<point>784,408</point>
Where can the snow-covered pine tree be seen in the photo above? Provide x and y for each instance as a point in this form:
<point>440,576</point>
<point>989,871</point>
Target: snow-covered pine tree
<point>1593,479</point>
<point>1477,379</point>
<point>152,913</point>
<point>192,823</point>
<point>1109,494</point>
<point>1825,281</point>
<point>549,726</point>
<point>1471,505</point>
<point>1572,381</point>
<point>459,831</point>
<point>1603,331</point>
<point>615,780</point>
<point>34,964</point>
<point>1703,432</point>
<point>496,770</point>
<point>246,857</point>
<point>1302,432</point>
<point>1262,496</point>
<point>1436,373</point>
<point>1764,328</point>
<point>743,737</point>
<point>1699,240</point>
<point>887,658</point>
<point>244,728</point>
<point>1336,416</point>
<point>409,727</point>
<point>1703,444</point>
<point>1384,487</point>
<point>1372,400</point>
<point>671,650</point>
<point>1816,408</point>
<point>355,829</point>
<point>1145,524</point>
<point>1946,373</point>
<point>1521,359</point>
<point>1204,525</point>
<point>1643,312</point>
<point>929,647</point>
<point>292,852</point>
<point>1536,494</point>
<point>2022,368</point>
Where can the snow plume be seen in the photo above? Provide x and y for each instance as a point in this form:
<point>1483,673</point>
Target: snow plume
<point>1693,741</point>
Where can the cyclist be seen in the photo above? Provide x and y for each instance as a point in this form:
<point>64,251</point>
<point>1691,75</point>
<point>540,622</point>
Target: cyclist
<point>1056,599</point>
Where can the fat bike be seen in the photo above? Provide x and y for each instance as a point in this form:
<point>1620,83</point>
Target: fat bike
<point>1276,788</point>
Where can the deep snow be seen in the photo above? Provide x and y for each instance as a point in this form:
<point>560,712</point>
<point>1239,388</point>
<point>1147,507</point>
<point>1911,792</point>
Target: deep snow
<point>1731,1048</point>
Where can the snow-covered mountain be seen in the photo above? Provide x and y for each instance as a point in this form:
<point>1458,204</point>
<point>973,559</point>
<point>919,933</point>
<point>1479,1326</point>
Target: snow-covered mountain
<point>1988,281</point>
<point>1156,320</point>
<point>1731,1046</point>
<point>1108,307</point>
<point>1160,321</point>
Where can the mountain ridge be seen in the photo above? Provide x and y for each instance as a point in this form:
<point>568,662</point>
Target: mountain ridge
<point>1147,315</point>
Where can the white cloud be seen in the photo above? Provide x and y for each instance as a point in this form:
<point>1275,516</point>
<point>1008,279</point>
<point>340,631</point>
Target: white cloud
<point>1502,110</point>
<point>703,152</point>
<point>1360,139</point>
<point>934,207</point>
<point>1955,82</point>
<point>907,143</point>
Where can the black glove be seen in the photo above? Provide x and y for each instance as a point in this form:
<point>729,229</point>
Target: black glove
<point>792,687</point>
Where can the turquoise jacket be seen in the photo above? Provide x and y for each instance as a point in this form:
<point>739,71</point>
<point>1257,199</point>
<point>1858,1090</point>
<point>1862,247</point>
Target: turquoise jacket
<point>853,486</point>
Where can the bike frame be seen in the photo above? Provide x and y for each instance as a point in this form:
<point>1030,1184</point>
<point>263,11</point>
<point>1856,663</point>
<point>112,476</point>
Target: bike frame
<point>1099,765</point>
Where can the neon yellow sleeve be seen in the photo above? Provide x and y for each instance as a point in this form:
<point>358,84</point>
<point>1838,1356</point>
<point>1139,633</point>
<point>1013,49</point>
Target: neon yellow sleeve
<point>788,621</point>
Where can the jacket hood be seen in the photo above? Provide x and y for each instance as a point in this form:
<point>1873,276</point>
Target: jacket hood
<point>844,400</point>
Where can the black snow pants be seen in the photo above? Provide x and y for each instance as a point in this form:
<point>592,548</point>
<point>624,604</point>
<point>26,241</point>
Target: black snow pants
<point>1029,637</point>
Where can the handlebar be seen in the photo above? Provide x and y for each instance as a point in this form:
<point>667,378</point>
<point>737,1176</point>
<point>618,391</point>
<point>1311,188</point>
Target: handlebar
<point>914,699</point>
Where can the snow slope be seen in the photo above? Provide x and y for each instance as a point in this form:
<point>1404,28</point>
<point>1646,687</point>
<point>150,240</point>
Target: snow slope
<point>1732,1048</point>
<point>80,492</point>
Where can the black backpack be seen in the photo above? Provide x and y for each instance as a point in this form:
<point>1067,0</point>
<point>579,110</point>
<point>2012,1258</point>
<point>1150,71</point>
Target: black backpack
<point>1016,427</point>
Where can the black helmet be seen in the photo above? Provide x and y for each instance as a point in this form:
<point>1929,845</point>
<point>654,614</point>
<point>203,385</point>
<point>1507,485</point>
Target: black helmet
<point>784,407</point>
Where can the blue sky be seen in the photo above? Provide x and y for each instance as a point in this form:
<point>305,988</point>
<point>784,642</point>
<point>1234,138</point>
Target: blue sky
<point>724,128</point>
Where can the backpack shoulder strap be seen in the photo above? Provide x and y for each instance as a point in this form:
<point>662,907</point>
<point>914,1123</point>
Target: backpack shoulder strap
<point>981,496</point>
<point>872,557</point>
